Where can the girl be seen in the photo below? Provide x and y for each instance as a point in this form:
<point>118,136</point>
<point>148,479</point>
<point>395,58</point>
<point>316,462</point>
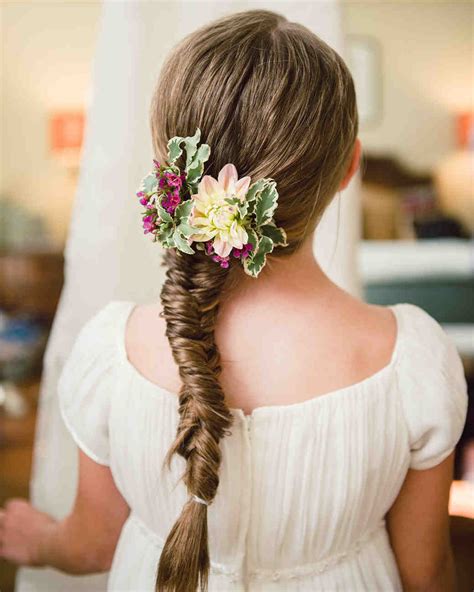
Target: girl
<point>309,435</point>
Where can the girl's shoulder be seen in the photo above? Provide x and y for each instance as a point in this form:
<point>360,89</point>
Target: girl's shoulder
<point>432,386</point>
<point>423,340</point>
<point>89,376</point>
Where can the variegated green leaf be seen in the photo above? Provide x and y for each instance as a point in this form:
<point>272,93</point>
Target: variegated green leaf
<point>192,187</point>
<point>203,153</point>
<point>243,207</point>
<point>170,244</point>
<point>266,203</point>
<point>165,231</point>
<point>175,169</point>
<point>150,183</point>
<point>277,234</point>
<point>184,209</point>
<point>250,207</point>
<point>254,189</point>
<point>193,175</point>
<point>181,242</point>
<point>174,150</point>
<point>166,235</point>
<point>254,264</point>
<point>233,201</point>
<point>252,238</point>
<point>190,145</point>
<point>187,230</point>
<point>164,215</point>
<point>196,167</point>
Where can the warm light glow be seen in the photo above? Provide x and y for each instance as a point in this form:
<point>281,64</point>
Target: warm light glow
<point>454,182</point>
<point>66,132</point>
<point>465,129</point>
<point>461,499</point>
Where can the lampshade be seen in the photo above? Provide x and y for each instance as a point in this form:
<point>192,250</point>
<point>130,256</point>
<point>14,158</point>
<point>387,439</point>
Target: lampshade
<point>66,130</point>
<point>454,176</point>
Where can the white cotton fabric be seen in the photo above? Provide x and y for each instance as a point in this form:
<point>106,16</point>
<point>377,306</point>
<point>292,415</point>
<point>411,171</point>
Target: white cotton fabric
<point>304,487</point>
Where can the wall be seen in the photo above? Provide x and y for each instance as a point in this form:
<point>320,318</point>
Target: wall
<point>47,50</point>
<point>427,74</point>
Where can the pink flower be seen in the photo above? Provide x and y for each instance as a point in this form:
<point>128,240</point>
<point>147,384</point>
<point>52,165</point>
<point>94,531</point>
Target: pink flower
<point>224,261</point>
<point>173,180</point>
<point>171,201</point>
<point>244,251</point>
<point>148,224</point>
<point>213,217</point>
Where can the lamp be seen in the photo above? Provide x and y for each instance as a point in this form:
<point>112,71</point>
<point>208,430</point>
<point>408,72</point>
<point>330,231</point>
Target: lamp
<point>66,131</point>
<point>454,177</point>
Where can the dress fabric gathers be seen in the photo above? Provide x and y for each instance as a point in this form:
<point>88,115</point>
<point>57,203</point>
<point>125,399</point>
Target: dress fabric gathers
<point>304,488</point>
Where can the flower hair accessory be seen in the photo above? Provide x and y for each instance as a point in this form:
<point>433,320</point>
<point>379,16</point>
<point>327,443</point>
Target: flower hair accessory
<point>224,217</point>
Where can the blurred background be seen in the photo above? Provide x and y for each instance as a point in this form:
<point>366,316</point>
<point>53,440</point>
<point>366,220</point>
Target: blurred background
<point>413,212</point>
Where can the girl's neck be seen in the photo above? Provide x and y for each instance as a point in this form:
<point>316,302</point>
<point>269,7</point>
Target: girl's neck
<point>284,278</point>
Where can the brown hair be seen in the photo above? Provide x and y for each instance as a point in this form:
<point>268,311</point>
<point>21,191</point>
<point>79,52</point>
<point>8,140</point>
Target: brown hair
<point>276,101</point>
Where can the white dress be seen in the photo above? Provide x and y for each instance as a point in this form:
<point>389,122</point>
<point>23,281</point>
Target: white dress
<point>304,487</point>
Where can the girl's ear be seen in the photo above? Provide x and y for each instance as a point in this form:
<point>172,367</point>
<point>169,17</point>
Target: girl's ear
<point>353,166</point>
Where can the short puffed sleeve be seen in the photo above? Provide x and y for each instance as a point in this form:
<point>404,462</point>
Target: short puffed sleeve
<point>433,388</point>
<point>88,380</point>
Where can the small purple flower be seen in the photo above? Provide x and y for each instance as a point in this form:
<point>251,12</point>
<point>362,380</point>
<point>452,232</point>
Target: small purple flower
<point>171,201</point>
<point>247,249</point>
<point>173,180</point>
<point>144,200</point>
<point>148,224</point>
<point>209,249</point>
<point>223,261</point>
<point>162,182</point>
<point>140,194</point>
<point>243,252</point>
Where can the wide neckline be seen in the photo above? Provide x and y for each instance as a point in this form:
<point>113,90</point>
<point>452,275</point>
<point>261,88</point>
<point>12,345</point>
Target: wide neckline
<point>317,399</point>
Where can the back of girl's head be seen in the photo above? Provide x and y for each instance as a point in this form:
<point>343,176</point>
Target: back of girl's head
<point>275,100</point>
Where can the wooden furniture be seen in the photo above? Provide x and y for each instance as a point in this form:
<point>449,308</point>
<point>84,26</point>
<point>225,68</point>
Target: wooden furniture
<point>31,282</point>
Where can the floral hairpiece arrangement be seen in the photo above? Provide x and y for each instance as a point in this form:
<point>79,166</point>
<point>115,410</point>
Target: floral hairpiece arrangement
<point>224,217</point>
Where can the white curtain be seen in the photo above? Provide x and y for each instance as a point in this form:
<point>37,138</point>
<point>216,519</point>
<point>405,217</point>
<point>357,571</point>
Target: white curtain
<point>107,256</point>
